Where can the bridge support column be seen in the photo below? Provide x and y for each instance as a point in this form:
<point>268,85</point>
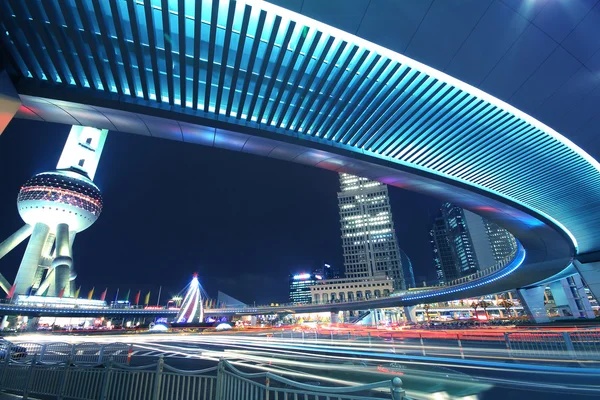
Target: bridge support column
<point>533,303</point>
<point>9,101</point>
<point>410,314</point>
<point>569,293</point>
<point>590,272</point>
<point>334,317</point>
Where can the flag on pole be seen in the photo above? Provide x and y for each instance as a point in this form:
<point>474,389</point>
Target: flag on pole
<point>147,299</point>
<point>103,295</point>
<point>11,292</point>
<point>61,293</point>
<point>77,292</point>
<point>127,295</point>
<point>137,297</point>
<point>117,295</point>
<point>29,291</point>
<point>91,293</point>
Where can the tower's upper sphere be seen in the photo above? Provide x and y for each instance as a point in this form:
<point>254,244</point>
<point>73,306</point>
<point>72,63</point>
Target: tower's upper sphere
<point>60,197</point>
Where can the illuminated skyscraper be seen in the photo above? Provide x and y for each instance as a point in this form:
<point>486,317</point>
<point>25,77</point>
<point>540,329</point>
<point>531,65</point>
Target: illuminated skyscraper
<point>368,235</point>
<point>464,243</point>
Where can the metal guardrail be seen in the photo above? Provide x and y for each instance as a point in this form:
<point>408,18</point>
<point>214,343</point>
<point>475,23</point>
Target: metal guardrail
<point>580,346</point>
<point>60,352</point>
<point>159,381</point>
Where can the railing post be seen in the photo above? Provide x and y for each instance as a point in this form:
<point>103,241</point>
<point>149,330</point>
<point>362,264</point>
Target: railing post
<point>5,367</point>
<point>28,379</point>
<point>158,378</point>
<point>43,352</point>
<point>422,344</point>
<point>507,340</point>
<point>106,381</point>
<point>331,334</point>
<point>569,345</point>
<point>63,380</point>
<point>302,336</point>
<point>220,379</point>
<point>462,354</point>
<point>397,391</point>
<point>101,355</point>
<point>369,335</point>
<point>267,384</point>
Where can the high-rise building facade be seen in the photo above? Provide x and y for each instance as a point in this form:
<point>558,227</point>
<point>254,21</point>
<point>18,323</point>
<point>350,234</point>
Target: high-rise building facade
<point>300,287</point>
<point>464,243</point>
<point>368,235</point>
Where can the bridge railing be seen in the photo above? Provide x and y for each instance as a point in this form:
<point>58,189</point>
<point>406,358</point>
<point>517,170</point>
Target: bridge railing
<point>576,346</point>
<point>159,381</point>
<point>60,352</point>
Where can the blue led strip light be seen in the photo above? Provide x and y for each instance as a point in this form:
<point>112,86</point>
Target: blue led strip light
<point>258,65</point>
<point>509,269</point>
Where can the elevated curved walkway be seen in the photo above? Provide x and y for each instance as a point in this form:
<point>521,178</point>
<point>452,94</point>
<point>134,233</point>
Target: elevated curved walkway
<point>256,78</point>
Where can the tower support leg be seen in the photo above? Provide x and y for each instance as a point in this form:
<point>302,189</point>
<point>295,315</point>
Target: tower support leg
<point>63,261</point>
<point>31,258</point>
<point>570,297</point>
<point>15,239</point>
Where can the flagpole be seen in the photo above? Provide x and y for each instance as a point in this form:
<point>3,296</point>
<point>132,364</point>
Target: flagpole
<point>159,291</point>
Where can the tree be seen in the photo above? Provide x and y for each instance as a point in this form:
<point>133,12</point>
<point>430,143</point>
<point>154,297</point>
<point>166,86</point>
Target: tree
<point>485,304</point>
<point>475,305</point>
<point>426,307</point>
<point>506,305</point>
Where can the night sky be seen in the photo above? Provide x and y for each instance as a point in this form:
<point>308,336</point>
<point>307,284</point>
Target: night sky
<point>243,222</point>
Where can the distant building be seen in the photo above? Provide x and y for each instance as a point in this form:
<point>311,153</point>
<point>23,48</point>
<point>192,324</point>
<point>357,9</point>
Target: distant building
<point>409,275</point>
<point>331,272</point>
<point>300,287</point>
<point>464,243</point>
<point>368,235</point>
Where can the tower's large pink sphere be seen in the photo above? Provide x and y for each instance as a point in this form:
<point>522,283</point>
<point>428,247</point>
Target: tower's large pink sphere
<point>60,197</point>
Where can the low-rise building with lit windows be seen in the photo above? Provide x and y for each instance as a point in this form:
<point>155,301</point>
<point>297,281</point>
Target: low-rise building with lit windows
<point>350,289</point>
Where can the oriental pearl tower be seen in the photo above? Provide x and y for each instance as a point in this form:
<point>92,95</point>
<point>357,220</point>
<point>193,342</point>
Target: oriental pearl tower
<point>55,206</point>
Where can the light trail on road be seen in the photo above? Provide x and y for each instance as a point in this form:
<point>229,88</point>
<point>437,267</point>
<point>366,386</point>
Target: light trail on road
<point>342,362</point>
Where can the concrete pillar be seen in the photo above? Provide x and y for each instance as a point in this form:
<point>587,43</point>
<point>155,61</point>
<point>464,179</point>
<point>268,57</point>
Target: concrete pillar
<point>570,297</point>
<point>62,262</point>
<point>532,301</point>
<point>15,239</point>
<point>410,314</point>
<point>3,324</point>
<point>9,101</point>
<point>31,258</point>
<point>590,272</point>
<point>334,317</point>
<point>253,320</point>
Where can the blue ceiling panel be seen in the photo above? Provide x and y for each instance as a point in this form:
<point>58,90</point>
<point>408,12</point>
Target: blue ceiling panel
<point>551,75</point>
<point>584,41</point>
<point>528,9</point>
<point>392,23</point>
<point>553,110</point>
<point>293,5</point>
<point>581,112</point>
<point>493,36</point>
<point>594,64</point>
<point>523,58</point>
<point>339,13</point>
<point>559,17</point>
<point>456,20</point>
